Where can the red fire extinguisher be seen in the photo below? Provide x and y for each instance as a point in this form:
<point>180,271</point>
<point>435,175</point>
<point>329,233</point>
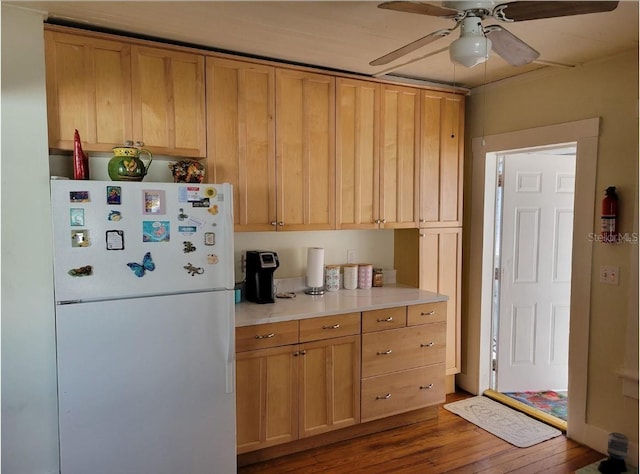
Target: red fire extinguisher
<point>608,218</point>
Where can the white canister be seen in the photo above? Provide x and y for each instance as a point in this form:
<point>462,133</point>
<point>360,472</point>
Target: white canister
<point>350,277</point>
<point>365,275</point>
<point>332,277</point>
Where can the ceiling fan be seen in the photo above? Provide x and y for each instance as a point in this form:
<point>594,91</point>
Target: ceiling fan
<point>476,40</point>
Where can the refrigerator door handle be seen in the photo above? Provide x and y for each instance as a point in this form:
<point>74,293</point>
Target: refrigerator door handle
<point>231,355</point>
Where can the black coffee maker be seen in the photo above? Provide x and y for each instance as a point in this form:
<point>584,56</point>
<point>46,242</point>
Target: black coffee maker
<point>260,265</point>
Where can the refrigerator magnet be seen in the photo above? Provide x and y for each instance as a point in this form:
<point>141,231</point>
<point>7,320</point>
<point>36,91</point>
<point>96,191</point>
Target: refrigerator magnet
<point>188,247</point>
<point>212,259</point>
<point>209,238</point>
<point>155,231</point>
<point>115,239</point>
<point>79,196</point>
<point>76,217</point>
<point>214,209</point>
<point>153,202</point>
<point>182,216</point>
<point>87,270</point>
<point>114,216</point>
<point>114,194</point>
<point>80,238</point>
<point>201,203</point>
<point>140,269</point>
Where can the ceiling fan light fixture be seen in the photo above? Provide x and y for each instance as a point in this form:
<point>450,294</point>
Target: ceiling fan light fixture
<point>470,50</point>
<point>473,47</point>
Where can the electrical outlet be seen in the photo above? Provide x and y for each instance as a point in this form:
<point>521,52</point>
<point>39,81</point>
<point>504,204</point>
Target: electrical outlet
<point>352,256</point>
<point>609,274</point>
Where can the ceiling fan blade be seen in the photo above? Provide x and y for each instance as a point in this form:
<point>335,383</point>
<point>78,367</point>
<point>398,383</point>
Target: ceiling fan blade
<point>421,8</point>
<point>409,48</point>
<point>536,10</point>
<point>508,46</point>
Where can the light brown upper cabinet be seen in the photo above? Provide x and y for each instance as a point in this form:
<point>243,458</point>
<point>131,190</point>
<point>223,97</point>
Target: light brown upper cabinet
<point>399,152</point>
<point>441,159</point>
<point>377,155</point>
<point>88,89</point>
<point>357,154</point>
<point>241,138</point>
<point>168,101</point>
<point>115,92</point>
<point>305,151</point>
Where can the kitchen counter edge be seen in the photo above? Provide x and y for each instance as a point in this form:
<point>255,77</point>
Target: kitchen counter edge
<point>332,302</point>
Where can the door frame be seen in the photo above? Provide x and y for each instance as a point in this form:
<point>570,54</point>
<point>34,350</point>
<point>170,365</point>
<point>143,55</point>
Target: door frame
<point>476,375</point>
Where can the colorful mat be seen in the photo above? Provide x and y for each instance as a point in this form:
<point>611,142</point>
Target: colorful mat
<point>553,403</point>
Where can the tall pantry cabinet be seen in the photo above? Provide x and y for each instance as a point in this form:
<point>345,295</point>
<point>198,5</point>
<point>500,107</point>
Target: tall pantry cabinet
<point>438,240</point>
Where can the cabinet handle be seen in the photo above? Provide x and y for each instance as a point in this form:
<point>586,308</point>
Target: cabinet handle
<point>281,223</point>
<point>385,320</point>
<point>387,352</point>
<point>428,344</point>
<point>384,221</point>
<point>421,221</point>
<point>377,221</point>
<point>265,336</point>
<point>421,235</point>
<point>128,143</point>
<point>273,223</point>
<point>139,143</point>
<point>428,313</point>
<point>383,397</point>
<point>335,326</point>
<point>426,387</point>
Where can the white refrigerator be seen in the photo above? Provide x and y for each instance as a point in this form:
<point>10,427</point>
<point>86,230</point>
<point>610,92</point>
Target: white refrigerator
<point>144,327</point>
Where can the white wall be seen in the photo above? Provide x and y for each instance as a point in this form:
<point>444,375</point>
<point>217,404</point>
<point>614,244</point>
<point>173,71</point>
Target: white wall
<point>29,404</point>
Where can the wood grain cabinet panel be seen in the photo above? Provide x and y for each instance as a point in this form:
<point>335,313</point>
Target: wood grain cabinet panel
<point>266,398</point>
<point>403,391</point>
<point>441,159</point>
<point>305,150</point>
<point>88,89</point>
<point>329,385</point>
<point>400,349</point>
<point>241,138</point>
<point>116,92</point>
<point>168,101</point>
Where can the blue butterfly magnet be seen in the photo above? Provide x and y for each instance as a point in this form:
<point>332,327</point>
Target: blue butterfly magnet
<point>141,269</point>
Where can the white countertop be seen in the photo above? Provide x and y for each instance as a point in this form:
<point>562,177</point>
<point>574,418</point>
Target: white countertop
<point>332,302</point>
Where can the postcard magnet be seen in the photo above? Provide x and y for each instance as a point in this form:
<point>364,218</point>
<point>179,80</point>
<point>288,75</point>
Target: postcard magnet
<point>115,239</point>
<point>79,196</point>
<point>76,216</point>
<point>80,238</point>
<point>114,194</point>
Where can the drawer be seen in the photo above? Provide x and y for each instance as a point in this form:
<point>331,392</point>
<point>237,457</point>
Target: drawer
<point>326,327</point>
<point>427,313</point>
<point>402,391</point>
<point>261,336</point>
<point>384,352</point>
<point>381,319</point>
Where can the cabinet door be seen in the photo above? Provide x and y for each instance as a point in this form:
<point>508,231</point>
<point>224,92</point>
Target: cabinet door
<point>305,156</point>
<point>241,139</point>
<point>399,156</point>
<point>266,398</point>
<point>441,159</point>
<point>357,148</point>
<point>329,385</point>
<point>88,89</point>
<point>168,101</point>
<point>440,271</point>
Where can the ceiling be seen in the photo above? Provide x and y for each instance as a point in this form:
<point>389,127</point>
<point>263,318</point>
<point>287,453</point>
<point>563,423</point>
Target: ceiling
<point>346,36</point>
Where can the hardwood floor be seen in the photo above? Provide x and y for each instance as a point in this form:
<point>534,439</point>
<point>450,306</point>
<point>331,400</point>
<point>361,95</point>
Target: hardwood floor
<point>448,444</point>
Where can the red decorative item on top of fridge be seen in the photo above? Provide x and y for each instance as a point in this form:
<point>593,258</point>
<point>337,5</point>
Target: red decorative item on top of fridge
<point>609,216</point>
<point>80,159</point>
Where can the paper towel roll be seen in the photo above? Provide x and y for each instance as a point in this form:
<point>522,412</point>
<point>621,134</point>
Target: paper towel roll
<point>315,267</point>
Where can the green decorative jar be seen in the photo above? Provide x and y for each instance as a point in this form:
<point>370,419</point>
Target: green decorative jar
<point>126,164</point>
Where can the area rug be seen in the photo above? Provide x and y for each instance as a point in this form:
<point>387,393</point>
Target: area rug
<point>551,402</point>
<point>504,422</point>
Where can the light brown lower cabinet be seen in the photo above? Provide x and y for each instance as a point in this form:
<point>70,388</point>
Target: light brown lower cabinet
<point>298,379</point>
<point>293,391</point>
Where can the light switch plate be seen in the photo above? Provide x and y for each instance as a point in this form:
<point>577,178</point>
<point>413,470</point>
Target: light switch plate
<point>609,274</point>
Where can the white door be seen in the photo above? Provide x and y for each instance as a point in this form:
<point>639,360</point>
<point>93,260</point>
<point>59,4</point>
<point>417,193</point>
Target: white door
<point>537,228</point>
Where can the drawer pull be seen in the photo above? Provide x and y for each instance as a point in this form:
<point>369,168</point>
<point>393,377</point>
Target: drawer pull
<point>426,387</point>
<point>385,320</point>
<point>387,352</point>
<point>383,397</point>
<point>428,344</point>
<point>428,313</point>
<point>335,326</point>
<point>297,353</point>
<point>265,336</point>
